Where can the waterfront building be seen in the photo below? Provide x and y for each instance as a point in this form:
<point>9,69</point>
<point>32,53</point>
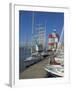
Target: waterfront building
<point>53,39</point>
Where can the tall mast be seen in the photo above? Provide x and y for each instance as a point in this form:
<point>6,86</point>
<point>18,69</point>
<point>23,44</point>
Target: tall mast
<point>61,36</point>
<point>32,28</point>
<point>45,34</point>
<point>32,23</point>
<point>60,40</point>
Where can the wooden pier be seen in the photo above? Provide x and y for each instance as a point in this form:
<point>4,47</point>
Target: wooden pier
<point>35,71</point>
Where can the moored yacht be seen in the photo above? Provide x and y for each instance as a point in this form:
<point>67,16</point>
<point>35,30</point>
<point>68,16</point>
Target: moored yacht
<point>34,58</point>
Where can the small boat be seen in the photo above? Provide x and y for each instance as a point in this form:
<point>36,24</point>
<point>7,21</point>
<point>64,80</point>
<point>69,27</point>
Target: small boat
<point>59,60</point>
<point>60,57</point>
<point>34,58</point>
<point>44,54</point>
<point>55,70</point>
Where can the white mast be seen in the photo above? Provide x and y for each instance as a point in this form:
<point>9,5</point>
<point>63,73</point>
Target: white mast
<point>61,36</point>
<point>60,40</point>
<point>32,29</point>
<point>32,24</point>
<point>45,34</point>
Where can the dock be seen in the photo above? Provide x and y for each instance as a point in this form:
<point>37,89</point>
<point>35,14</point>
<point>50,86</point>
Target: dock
<point>35,71</point>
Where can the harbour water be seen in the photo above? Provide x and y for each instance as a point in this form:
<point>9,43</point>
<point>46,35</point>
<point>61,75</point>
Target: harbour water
<point>24,53</point>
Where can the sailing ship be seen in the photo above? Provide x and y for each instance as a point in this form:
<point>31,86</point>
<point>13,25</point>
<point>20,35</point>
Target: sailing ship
<point>36,49</point>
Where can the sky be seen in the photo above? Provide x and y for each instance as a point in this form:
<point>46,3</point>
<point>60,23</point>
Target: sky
<point>52,20</point>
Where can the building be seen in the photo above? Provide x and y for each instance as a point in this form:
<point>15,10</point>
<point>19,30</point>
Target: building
<point>53,39</point>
